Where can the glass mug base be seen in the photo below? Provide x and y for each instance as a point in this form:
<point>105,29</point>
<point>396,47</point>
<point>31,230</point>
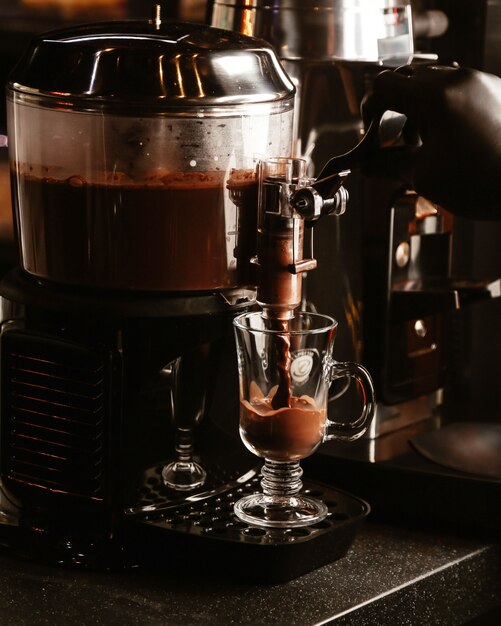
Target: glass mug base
<point>282,512</point>
<point>183,475</point>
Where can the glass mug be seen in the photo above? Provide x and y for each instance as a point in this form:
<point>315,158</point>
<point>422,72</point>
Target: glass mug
<point>285,372</point>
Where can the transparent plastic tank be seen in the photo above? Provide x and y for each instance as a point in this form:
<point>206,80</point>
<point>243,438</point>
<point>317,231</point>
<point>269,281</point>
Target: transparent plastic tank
<point>133,159</point>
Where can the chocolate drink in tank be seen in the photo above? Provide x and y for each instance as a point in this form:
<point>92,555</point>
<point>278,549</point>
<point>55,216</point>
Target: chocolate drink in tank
<point>161,233</point>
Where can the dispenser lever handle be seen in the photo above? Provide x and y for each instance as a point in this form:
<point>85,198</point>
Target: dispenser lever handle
<point>349,160</point>
<point>326,195</point>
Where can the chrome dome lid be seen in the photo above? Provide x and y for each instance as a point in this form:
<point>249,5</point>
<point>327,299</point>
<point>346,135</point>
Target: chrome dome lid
<point>171,65</point>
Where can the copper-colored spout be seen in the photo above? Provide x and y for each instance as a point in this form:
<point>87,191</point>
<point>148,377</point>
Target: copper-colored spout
<point>280,239</point>
<point>280,247</point>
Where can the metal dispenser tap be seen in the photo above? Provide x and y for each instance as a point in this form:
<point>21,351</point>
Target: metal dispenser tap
<point>290,203</point>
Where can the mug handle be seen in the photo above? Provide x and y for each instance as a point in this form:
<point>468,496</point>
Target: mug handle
<point>349,431</point>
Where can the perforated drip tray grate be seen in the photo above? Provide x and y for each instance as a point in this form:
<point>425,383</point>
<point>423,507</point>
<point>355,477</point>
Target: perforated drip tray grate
<point>208,528</point>
<point>151,491</point>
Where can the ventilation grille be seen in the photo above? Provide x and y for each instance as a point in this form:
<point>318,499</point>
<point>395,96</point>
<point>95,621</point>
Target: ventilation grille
<point>53,414</point>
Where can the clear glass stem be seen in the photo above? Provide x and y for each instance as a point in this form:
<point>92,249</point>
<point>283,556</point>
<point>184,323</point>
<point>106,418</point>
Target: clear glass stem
<point>280,505</point>
<point>282,479</point>
<point>184,445</point>
<point>184,473</point>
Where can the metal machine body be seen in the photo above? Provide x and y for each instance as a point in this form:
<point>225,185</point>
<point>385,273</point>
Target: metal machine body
<point>395,271</point>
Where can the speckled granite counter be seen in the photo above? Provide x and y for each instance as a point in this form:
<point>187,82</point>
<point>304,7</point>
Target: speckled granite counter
<point>390,576</point>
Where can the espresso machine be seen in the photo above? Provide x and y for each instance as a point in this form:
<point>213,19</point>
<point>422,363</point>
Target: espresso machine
<point>392,271</point>
<point>134,148</point>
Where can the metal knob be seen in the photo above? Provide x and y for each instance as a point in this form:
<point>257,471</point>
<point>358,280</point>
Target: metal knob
<point>311,205</point>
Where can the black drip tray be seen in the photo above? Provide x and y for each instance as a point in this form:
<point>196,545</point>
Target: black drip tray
<point>208,529</point>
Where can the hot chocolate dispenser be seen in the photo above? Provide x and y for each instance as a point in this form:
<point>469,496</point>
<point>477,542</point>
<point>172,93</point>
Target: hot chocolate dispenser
<point>133,149</point>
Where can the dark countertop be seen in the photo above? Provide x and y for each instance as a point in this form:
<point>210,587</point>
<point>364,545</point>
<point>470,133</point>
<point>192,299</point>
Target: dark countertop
<point>390,576</point>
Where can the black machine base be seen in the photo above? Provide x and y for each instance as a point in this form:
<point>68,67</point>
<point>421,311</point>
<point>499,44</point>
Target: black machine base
<point>205,533</point>
<point>98,393</point>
